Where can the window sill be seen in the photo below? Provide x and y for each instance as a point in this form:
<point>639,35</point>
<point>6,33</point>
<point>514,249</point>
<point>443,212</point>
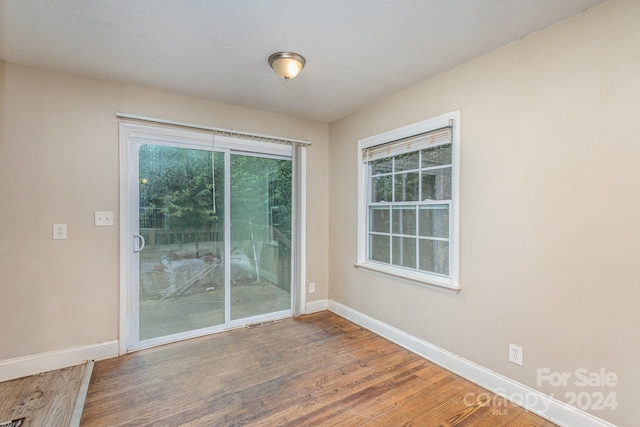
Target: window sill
<point>432,282</point>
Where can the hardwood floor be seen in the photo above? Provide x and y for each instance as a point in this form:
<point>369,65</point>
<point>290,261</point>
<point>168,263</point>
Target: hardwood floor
<point>317,370</point>
<point>46,399</point>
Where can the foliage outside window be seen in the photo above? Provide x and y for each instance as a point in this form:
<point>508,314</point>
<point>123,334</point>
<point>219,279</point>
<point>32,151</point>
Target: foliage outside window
<point>177,187</point>
<point>178,191</point>
<point>409,202</point>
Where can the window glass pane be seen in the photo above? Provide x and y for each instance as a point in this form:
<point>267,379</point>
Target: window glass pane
<point>434,256</point>
<point>379,248</point>
<point>434,221</point>
<point>436,156</point>
<point>436,184</point>
<point>404,220</point>
<point>379,219</point>
<point>260,263</point>
<point>406,187</point>
<point>407,161</point>
<point>381,188</point>
<point>404,251</point>
<point>381,166</point>
<point>179,181</point>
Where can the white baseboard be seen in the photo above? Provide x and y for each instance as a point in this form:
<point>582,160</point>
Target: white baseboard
<point>315,306</point>
<point>546,406</point>
<point>19,367</point>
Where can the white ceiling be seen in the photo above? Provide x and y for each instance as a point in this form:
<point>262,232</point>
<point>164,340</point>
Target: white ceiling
<point>357,51</point>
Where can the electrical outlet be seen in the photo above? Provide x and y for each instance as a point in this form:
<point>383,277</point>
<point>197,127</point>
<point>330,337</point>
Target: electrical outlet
<point>312,288</point>
<point>59,231</point>
<point>515,354</point>
<point>103,219</point>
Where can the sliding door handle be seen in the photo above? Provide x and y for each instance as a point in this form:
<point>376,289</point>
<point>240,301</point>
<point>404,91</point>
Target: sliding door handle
<point>140,243</point>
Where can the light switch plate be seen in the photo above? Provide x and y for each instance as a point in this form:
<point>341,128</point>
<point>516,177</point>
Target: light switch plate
<point>103,219</point>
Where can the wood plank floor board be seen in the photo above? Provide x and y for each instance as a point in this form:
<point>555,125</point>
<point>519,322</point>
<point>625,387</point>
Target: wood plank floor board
<point>346,386</point>
<point>371,393</point>
<point>45,399</point>
<point>317,370</point>
<point>376,411</point>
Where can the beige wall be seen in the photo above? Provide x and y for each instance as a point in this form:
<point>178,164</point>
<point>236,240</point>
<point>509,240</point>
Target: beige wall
<point>59,164</point>
<point>550,204</point>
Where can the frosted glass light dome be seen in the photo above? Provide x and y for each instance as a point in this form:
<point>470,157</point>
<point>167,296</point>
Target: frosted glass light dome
<point>287,64</point>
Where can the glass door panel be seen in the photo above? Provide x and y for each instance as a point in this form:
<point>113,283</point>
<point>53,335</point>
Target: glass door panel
<point>260,267</point>
<point>211,232</point>
<point>181,219</point>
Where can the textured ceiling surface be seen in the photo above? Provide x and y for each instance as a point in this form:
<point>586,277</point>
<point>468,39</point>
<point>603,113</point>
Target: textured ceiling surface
<point>357,51</point>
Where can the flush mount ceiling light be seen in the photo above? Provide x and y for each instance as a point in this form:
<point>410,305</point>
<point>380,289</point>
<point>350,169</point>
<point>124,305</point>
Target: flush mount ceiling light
<point>287,64</point>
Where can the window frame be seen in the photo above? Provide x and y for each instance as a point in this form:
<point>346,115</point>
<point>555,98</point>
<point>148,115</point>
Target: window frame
<point>440,282</point>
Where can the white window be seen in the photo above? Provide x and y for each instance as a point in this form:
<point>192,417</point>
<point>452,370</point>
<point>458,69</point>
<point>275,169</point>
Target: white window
<point>408,202</point>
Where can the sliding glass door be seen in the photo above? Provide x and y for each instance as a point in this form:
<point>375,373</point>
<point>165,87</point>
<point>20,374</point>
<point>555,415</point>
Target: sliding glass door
<point>210,236</point>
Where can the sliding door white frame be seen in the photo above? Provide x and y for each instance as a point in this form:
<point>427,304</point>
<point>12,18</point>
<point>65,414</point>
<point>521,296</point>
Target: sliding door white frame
<point>128,339</point>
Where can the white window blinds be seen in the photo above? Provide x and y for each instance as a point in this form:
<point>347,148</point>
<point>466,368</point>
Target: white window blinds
<point>405,145</point>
